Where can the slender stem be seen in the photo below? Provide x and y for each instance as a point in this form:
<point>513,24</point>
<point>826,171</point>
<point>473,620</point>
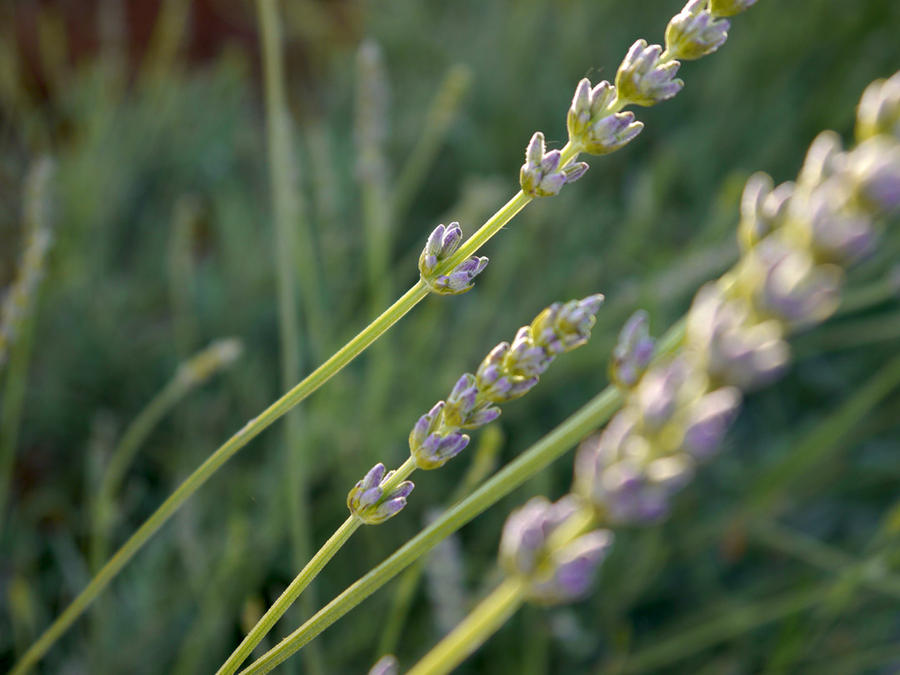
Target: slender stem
<point>122,457</point>
<point>307,574</point>
<point>478,626</point>
<point>190,485</point>
<point>531,462</point>
<point>288,215</point>
<point>290,594</point>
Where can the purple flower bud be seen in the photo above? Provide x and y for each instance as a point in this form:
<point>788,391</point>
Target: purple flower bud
<point>734,348</point>
<point>369,503</point>
<point>524,357</point>
<point>837,231</point>
<point>729,7</point>
<point>572,569</point>
<point>787,284</point>
<point>541,174</point>
<point>693,33</point>
<point>879,109</point>
<point>608,134</point>
<point>438,449</point>
<point>425,425</point>
<point>562,327</point>
<point>461,401</point>
<point>823,159</point>
<point>708,420</point>
<point>461,279</point>
<point>481,417</point>
<point>875,169</point>
<point>632,352</point>
<point>526,531</point>
<point>660,392</point>
<point>387,665</point>
<point>643,80</point>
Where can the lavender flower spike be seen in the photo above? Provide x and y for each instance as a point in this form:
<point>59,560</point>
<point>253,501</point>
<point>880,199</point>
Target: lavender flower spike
<point>632,352</point>
<point>694,33</point>
<point>368,502</point>
<point>644,78</point>
<point>592,126</point>
<point>563,327</point>
<point>541,175</point>
<point>441,244</point>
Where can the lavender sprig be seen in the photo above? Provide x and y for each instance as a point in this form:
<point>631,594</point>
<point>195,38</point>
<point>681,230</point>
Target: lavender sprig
<point>371,503</point>
<point>506,373</point>
<point>541,174</point>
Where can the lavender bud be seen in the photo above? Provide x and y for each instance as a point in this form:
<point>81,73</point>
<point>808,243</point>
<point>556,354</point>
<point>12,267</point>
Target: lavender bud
<point>693,32</point>
<point>837,231</point>
<point>733,348</point>
<point>387,665</point>
<point>874,166</point>
<point>763,210</point>
<point>525,358</point>
<point>708,420</point>
<point>438,449</point>
<point>879,109</point>
<point>632,352</point>
<point>481,417</point>
<point>563,327</point>
<point>368,502</point>
<point>592,127</point>
<point>572,569</point>
<point>541,175</point>
<point>786,284</point>
<point>661,392</point>
<point>441,244</point>
<point>729,7</point>
<point>823,159</point>
<point>461,401</point>
<point>425,426</point>
<point>643,79</point>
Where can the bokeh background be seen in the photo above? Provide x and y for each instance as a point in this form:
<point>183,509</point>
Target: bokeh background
<point>784,555</point>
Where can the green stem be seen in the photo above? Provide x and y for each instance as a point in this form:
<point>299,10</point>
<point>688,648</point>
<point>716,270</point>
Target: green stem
<point>121,458</point>
<point>477,627</point>
<point>290,594</point>
<point>287,217</point>
<point>531,462</point>
<point>193,482</point>
<point>334,544</point>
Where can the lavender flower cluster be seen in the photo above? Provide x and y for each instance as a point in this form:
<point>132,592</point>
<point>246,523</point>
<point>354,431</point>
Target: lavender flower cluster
<point>646,76</point>
<point>796,239</point>
<point>535,548</point>
<point>507,372</point>
<point>441,244</point>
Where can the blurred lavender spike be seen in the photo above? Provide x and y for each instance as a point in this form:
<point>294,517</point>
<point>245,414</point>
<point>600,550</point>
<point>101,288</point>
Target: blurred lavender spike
<point>644,78</point>
<point>541,174</point>
<point>632,352</point>
<point>368,502</point>
<point>694,32</point>
<point>562,327</point>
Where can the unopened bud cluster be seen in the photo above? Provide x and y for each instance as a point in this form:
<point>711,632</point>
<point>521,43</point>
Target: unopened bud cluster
<point>441,244</point>
<point>368,500</point>
<point>507,372</point>
<point>796,239</point>
<point>556,568</point>
<point>541,175</point>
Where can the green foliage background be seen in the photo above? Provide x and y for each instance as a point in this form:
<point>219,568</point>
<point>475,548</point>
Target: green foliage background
<point>784,555</point>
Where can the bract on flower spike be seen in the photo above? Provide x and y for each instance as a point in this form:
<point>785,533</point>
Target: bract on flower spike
<point>369,503</point>
<point>541,175</point>
<point>879,109</point>
<point>729,7</point>
<point>441,244</point>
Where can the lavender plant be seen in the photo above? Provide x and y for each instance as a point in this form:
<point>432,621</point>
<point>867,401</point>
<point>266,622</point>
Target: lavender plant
<point>508,372</point>
<point>596,125</point>
<point>674,413</point>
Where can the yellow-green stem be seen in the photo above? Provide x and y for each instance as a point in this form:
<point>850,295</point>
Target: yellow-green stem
<point>475,629</point>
